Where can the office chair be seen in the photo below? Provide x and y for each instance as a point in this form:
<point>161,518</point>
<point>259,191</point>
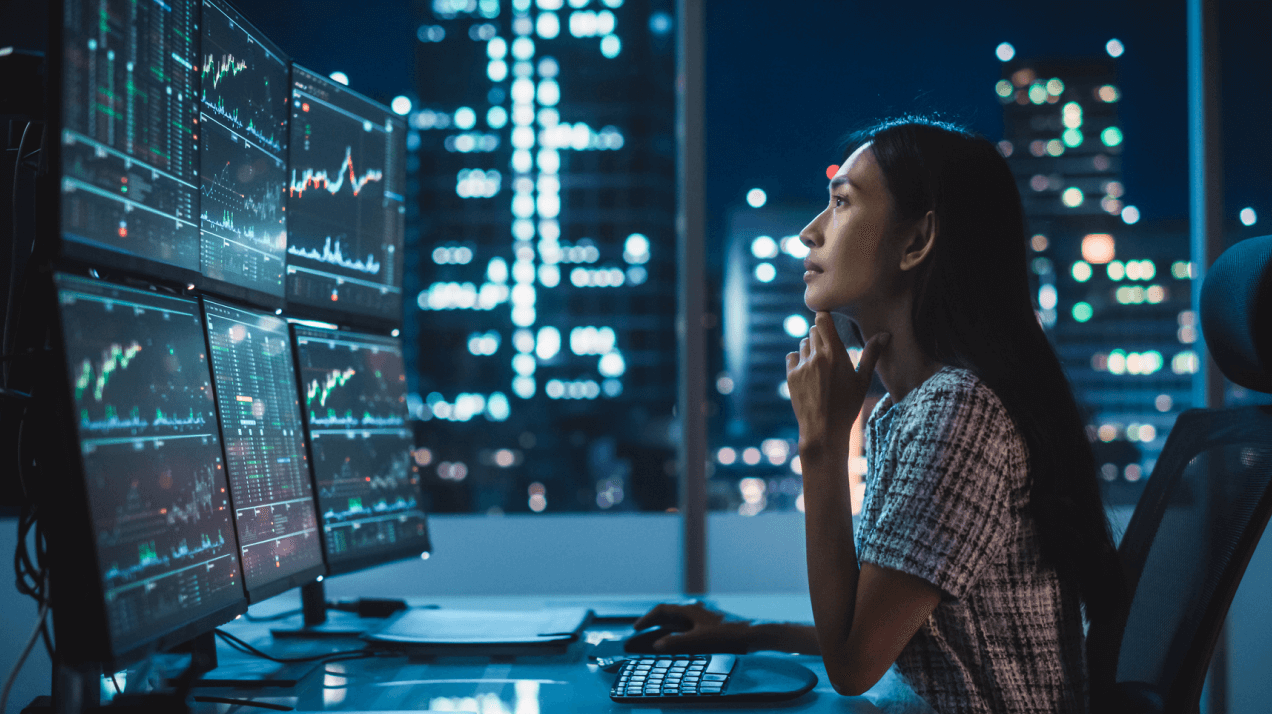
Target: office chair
<point>1204,508</point>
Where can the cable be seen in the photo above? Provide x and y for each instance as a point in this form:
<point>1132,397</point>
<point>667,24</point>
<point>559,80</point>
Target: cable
<point>115,682</point>
<point>245,703</point>
<point>17,666</point>
<point>246,648</point>
<point>13,255</point>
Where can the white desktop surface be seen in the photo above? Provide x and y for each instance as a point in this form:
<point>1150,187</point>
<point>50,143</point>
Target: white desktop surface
<point>521,685</point>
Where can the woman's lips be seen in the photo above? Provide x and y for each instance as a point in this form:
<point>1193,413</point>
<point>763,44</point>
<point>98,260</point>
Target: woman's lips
<point>810,269</point>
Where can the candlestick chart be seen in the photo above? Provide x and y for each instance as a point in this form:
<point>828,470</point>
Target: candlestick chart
<point>354,393</point>
<point>345,205</point>
<point>353,386</point>
<point>129,141</point>
<point>138,377</point>
<point>243,116</point>
<point>261,423</point>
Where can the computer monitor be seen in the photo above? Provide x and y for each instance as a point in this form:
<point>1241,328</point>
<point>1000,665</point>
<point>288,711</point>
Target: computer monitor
<point>345,208</point>
<point>254,377</point>
<point>147,555</point>
<point>128,145</point>
<point>243,108</point>
<point>353,390</point>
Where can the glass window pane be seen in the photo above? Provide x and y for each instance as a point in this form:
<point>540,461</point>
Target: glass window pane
<point>1090,112</point>
<point>541,275</point>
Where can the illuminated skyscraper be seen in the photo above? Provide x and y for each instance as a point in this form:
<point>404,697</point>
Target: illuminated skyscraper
<point>755,436</point>
<point>540,281</point>
<point>1113,292</point>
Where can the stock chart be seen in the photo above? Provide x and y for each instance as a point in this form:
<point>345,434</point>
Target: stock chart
<point>354,389</point>
<point>130,135</point>
<point>345,202</point>
<point>151,455</point>
<point>243,116</point>
<point>270,488</point>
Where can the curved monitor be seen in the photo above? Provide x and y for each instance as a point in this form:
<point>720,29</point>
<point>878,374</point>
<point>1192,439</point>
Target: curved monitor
<point>353,392</point>
<point>156,560</point>
<point>270,486</point>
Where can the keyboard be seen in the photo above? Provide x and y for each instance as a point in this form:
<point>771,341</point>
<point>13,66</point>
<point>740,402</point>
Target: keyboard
<point>716,677</point>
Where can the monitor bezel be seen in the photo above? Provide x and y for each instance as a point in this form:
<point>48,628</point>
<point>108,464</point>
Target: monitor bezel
<point>83,631</point>
<point>362,562</point>
<point>322,312</point>
<point>73,252</point>
<point>217,286</point>
<point>301,577</point>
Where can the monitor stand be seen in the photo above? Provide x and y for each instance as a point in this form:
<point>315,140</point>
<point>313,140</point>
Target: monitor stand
<point>315,623</point>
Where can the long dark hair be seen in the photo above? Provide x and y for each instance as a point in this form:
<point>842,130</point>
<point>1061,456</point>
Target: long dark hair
<point>973,309</point>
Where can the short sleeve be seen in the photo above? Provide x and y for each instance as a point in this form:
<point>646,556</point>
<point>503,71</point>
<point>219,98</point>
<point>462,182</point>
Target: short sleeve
<point>945,511</point>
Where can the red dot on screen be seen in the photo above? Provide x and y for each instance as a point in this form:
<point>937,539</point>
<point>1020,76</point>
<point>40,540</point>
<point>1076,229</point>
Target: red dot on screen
<point>832,170</point>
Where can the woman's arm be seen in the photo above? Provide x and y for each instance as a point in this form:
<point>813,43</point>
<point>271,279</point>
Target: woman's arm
<point>863,616</point>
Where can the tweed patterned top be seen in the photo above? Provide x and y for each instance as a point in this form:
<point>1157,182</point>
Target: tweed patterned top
<point>945,500</point>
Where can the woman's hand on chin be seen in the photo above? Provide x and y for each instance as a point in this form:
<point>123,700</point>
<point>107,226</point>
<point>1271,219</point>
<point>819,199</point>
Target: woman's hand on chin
<point>827,391</point>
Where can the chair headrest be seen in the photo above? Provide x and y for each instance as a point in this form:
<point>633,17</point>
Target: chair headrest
<point>1236,313</point>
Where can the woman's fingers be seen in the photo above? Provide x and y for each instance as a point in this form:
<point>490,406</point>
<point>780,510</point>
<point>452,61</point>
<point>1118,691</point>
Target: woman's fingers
<point>870,355</point>
<point>824,324</point>
<point>665,614</point>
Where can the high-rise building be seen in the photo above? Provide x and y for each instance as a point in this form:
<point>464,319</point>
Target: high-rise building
<point>1112,292</point>
<point>754,438</point>
<point>540,284</point>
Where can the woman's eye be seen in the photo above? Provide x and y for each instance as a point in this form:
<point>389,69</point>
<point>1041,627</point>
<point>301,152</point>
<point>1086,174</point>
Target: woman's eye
<point>838,200</point>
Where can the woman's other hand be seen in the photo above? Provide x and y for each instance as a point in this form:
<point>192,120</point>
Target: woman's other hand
<point>827,391</point>
<point>704,630</point>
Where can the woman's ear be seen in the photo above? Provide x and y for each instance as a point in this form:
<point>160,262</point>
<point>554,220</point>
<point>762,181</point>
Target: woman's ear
<point>919,242</point>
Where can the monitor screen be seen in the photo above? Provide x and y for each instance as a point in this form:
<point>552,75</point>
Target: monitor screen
<point>270,486</point>
<point>129,143</point>
<point>344,203</point>
<point>354,392</point>
<point>155,483</point>
<point>243,121</point>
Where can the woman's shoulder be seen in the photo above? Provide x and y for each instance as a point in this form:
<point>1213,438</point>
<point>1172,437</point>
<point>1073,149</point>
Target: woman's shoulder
<point>955,394</point>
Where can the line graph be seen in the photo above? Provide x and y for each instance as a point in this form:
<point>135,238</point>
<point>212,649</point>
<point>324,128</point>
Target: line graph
<point>218,108</point>
<point>311,178</point>
<point>269,141</point>
<point>334,255</point>
<point>226,65</point>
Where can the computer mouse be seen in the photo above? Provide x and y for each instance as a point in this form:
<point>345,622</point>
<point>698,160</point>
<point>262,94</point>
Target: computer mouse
<point>642,642</point>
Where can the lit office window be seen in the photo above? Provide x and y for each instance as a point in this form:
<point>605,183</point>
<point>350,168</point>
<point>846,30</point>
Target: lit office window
<point>541,276</point>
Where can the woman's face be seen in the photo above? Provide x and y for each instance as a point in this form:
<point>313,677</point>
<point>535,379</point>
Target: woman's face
<point>851,264</point>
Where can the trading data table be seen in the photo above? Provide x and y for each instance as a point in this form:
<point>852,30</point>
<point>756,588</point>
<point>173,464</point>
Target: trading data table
<point>270,486</point>
<point>129,139</point>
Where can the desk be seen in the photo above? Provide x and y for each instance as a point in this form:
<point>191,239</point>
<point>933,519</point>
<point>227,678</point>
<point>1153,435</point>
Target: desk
<point>517,685</point>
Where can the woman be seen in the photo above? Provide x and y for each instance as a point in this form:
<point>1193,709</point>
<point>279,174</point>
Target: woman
<point>982,533</point>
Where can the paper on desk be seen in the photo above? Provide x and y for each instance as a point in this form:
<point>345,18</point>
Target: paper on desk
<point>460,627</point>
